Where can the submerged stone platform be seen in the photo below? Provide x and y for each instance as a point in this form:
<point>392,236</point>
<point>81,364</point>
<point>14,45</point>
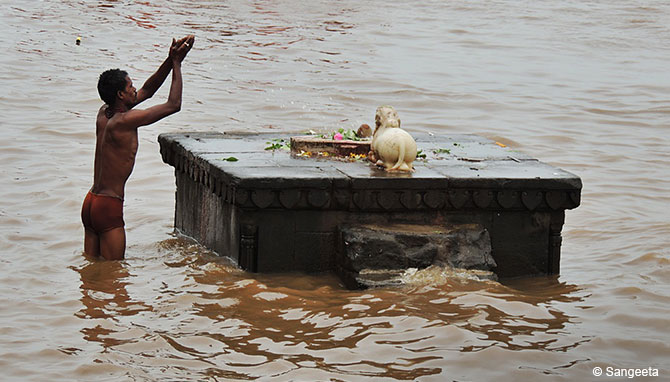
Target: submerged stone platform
<point>272,211</point>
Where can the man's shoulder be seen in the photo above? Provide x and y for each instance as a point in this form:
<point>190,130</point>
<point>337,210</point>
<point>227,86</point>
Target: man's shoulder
<point>127,119</point>
<point>101,119</point>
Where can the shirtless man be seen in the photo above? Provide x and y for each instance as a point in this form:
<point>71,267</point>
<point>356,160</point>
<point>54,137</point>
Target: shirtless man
<point>116,147</point>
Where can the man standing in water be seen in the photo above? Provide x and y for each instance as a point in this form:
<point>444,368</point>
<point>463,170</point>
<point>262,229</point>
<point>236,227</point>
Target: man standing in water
<point>116,147</point>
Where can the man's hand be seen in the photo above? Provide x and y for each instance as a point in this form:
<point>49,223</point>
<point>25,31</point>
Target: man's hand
<point>180,48</point>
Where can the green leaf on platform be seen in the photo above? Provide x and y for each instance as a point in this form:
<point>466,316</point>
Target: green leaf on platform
<point>278,144</point>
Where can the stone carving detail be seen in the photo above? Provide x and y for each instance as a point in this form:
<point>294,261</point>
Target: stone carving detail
<point>318,198</point>
<point>507,198</point>
<point>342,197</point>
<point>289,198</point>
<point>482,198</point>
<point>241,197</point>
<point>262,198</point>
<point>381,199</point>
<point>362,200</point>
<point>555,199</point>
<point>410,199</point>
<point>248,257</point>
<point>531,199</point>
<point>434,199</point>
<point>458,198</point>
<point>394,199</point>
<point>555,240</point>
<point>376,199</point>
<point>387,199</point>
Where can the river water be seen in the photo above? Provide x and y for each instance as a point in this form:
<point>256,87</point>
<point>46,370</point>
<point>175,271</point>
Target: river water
<point>582,85</point>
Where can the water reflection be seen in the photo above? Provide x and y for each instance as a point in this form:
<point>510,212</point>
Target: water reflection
<point>193,312</point>
<point>290,323</point>
<point>105,296</point>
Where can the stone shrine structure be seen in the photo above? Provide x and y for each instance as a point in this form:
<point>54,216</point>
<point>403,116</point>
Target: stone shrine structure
<point>273,211</point>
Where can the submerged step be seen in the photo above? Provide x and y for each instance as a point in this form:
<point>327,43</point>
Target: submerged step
<point>377,255</point>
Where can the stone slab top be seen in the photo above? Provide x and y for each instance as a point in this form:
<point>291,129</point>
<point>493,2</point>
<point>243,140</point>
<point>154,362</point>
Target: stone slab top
<point>452,162</point>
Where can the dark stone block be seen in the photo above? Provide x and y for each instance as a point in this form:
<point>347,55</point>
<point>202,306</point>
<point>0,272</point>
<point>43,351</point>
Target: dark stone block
<point>365,251</point>
<point>407,246</point>
<point>467,247</point>
<point>520,243</point>
<point>276,240</point>
<point>314,250</point>
<point>318,221</point>
<point>378,256</point>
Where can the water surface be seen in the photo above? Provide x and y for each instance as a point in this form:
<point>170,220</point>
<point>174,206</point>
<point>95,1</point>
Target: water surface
<point>582,85</point>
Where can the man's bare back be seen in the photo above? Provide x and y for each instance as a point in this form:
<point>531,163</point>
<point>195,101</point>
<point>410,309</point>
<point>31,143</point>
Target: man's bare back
<point>116,147</point>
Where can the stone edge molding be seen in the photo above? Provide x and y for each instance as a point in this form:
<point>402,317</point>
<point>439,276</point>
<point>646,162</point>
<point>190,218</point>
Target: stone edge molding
<point>351,199</point>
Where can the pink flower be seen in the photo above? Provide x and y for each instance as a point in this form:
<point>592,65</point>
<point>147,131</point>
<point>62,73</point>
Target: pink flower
<point>338,137</point>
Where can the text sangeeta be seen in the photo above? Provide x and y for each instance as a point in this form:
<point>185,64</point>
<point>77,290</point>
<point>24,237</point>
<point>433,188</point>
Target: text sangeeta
<point>631,373</point>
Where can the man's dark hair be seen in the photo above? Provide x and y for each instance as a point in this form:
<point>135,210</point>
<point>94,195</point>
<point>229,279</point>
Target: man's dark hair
<point>110,82</point>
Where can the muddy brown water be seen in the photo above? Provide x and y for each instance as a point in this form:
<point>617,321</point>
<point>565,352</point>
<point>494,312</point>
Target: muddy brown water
<point>582,85</point>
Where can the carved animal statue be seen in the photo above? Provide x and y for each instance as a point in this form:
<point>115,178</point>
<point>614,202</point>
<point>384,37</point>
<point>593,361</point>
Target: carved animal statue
<point>392,147</point>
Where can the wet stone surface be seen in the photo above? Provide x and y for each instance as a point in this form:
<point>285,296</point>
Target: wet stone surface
<point>375,255</point>
<point>272,211</point>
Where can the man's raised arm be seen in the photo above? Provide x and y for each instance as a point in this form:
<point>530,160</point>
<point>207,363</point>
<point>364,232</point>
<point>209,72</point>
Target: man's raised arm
<point>153,83</point>
<point>136,118</point>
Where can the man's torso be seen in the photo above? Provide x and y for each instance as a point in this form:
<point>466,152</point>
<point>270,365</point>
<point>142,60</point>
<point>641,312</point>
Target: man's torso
<point>115,151</point>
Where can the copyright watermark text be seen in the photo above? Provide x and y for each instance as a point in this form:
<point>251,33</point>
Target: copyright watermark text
<point>610,371</point>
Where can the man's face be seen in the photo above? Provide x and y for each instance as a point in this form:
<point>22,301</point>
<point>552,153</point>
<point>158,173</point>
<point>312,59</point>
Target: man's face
<point>130,93</point>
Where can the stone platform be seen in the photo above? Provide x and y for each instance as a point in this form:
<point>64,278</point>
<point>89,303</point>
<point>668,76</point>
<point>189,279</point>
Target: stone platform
<point>275,212</point>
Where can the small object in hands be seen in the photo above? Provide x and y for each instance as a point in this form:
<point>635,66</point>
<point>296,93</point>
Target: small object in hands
<point>364,131</point>
<point>78,42</point>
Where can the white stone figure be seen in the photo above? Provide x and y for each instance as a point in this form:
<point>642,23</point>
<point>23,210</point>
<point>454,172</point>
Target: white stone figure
<point>392,147</point>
